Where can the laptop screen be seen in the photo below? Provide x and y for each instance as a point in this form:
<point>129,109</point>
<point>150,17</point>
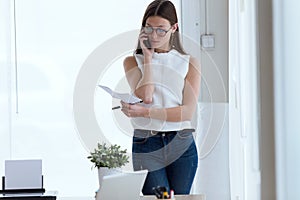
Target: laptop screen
<point>126,185</point>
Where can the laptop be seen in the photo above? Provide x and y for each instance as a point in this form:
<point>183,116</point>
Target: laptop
<point>123,186</point>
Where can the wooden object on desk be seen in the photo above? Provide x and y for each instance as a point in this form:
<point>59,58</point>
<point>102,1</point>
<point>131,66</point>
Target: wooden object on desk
<point>179,197</point>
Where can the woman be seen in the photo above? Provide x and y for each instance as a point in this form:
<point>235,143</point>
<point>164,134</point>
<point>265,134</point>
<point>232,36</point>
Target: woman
<point>168,81</point>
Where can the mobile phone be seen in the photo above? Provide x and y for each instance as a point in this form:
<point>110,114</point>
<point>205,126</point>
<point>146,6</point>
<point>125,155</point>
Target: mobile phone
<point>147,43</point>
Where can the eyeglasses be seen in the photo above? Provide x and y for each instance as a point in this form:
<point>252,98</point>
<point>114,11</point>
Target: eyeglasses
<point>160,32</point>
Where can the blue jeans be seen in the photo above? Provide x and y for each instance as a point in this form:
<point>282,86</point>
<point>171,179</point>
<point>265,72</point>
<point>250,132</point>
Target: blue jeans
<point>170,157</point>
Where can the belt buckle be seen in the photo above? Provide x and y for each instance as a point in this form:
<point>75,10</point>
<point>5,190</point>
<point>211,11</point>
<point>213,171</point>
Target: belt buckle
<point>156,132</point>
<point>152,132</point>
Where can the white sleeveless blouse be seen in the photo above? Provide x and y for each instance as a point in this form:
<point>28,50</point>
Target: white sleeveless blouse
<point>169,72</point>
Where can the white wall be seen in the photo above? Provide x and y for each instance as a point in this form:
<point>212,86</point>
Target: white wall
<point>201,17</point>
<point>286,17</point>
<point>212,141</point>
<point>198,18</point>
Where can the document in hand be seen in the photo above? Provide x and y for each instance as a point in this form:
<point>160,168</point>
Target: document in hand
<point>126,97</point>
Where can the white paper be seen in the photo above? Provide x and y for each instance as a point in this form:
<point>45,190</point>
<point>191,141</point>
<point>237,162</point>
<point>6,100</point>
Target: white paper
<point>126,97</point>
<point>23,174</point>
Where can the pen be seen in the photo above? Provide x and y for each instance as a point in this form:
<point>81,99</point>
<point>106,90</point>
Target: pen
<point>172,194</point>
<point>136,102</point>
<point>116,107</point>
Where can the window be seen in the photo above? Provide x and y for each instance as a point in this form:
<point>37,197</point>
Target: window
<point>53,40</point>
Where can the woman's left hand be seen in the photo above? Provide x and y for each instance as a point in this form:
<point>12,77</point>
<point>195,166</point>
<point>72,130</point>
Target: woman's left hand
<point>134,110</point>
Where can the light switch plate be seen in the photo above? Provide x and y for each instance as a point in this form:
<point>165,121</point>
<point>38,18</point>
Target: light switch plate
<point>208,41</point>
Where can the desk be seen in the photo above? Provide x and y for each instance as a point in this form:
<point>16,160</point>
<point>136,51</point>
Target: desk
<point>177,197</point>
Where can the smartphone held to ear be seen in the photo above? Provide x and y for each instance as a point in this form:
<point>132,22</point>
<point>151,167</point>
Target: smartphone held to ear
<point>147,43</point>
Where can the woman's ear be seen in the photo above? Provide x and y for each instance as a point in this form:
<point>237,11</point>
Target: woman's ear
<point>174,27</point>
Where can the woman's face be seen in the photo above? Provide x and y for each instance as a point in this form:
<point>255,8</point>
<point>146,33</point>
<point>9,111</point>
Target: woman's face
<point>161,34</point>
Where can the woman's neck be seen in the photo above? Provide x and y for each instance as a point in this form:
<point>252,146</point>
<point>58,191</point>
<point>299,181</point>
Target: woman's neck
<point>162,50</point>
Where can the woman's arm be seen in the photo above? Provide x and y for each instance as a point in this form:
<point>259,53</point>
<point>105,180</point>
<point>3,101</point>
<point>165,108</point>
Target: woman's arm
<point>141,84</point>
<point>175,114</point>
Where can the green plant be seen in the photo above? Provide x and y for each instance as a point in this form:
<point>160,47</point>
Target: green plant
<point>108,156</point>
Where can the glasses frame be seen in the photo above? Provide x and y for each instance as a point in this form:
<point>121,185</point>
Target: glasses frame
<point>156,29</point>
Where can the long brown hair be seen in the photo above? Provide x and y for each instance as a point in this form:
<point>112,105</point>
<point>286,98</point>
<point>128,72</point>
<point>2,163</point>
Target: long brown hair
<point>166,10</point>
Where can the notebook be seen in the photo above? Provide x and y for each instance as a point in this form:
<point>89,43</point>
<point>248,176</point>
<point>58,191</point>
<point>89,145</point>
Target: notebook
<point>123,186</point>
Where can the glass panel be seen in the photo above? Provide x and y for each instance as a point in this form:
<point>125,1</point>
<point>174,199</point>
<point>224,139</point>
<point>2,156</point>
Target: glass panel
<point>54,38</point>
<point>5,76</point>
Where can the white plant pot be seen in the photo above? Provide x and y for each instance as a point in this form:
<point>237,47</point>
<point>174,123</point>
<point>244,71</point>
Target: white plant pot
<point>104,171</point>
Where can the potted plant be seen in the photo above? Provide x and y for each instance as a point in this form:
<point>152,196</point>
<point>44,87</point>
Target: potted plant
<point>108,159</point>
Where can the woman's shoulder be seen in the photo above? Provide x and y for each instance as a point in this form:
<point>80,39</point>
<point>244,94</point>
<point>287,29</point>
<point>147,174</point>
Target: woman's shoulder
<point>129,62</point>
<point>129,59</point>
<point>194,60</point>
<point>194,63</point>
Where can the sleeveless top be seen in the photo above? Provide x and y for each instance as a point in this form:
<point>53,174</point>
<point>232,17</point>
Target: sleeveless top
<point>169,71</point>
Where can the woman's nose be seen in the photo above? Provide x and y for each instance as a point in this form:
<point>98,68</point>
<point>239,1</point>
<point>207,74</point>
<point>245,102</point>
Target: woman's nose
<point>154,34</point>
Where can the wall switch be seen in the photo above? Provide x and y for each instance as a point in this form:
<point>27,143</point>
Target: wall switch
<point>208,41</point>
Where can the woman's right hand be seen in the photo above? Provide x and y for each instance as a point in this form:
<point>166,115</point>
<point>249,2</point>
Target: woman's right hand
<point>145,87</point>
<point>147,52</point>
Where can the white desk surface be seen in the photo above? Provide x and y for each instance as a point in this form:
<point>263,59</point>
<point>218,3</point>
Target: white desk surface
<point>177,197</point>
